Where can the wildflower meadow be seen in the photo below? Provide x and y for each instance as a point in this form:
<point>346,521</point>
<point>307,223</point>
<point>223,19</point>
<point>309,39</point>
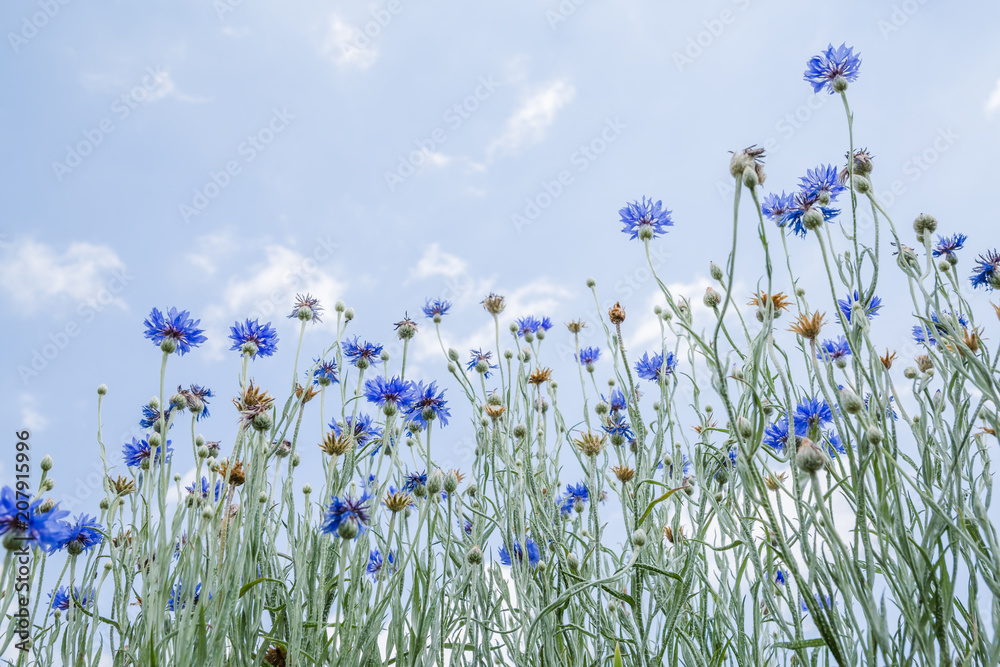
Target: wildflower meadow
<point>771,483</point>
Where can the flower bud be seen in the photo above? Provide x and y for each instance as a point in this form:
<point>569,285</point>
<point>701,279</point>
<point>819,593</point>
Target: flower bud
<point>744,427</point>
<point>474,556</point>
<point>207,513</point>
<point>168,345</point>
<point>520,431</point>
<point>47,485</point>
<point>451,482</point>
<point>750,178</point>
<point>925,224</point>
<point>434,483</point>
<point>262,422</point>
<point>104,504</point>
<point>850,402</point>
<point>812,219</point>
<point>874,435</point>
<point>839,84</point>
<point>715,271</point>
<point>46,505</point>
<point>712,298</point>
<point>910,373</point>
<point>262,498</point>
<point>348,529</point>
<point>340,306</point>
<point>102,389</point>
<point>602,408</point>
<point>639,538</point>
<point>296,459</point>
<point>46,463</point>
<point>307,488</point>
<point>810,457</point>
<point>349,314</point>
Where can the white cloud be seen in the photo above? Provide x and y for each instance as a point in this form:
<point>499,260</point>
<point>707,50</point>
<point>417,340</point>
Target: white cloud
<point>267,291</point>
<point>993,103</point>
<point>31,418</point>
<point>152,84</point>
<point>211,249</point>
<point>530,121</point>
<point>342,46</point>
<point>33,273</point>
<point>437,262</point>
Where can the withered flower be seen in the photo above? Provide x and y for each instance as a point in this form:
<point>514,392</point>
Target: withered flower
<point>623,473</point>
<point>540,375</point>
<point>888,359</point>
<point>590,444</point>
<point>253,402</point>
<point>808,326</point>
<point>494,304</point>
<point>237,475</point>
<point>122,486</point>
<point>576,326</point>
<point>617,313</point>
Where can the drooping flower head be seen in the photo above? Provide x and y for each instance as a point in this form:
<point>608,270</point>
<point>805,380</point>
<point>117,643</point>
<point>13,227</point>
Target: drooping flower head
<point>253,338</point>
<point>948,245</point>
<point>325,373</point>
<point>589,356</point>
<point>65,597</point>
<point>176,326</point>
<point>393,391</point>
<point>530,549</point>
<point>987,271</point>
<point>480,362</point>
<point>377,565</point>
<point>830,67</point>
<point>197,400</point>
<point>81,535</point>
<point>347,515</point>
<point>34,527</point>
<point>645,217</point>
<point>436,308</point>
<point>428,404</point>
<point>137,451</point>
<point>306,308</point>
<point>870,309</point>
<point>362,355</point>
<point>151,415</point>
<point>657,367</point>
<point>832,350</point>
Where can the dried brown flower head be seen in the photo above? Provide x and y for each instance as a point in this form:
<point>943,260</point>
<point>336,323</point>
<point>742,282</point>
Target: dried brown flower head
<point>778,301</point>
<point>576,326</point>
<point>888,359</point>
<point>253,402</point>
<point>494,304</point>
<point>698,428</point>
<point>336,444</point>
<point>123,539</point>
<point>275,656</point>
<point>590,444</point>
<point>673,537</point>
<point>748,158</point>
<point>398,501</point>
<point>306,394</point>
<point>122,486</point>
<point>623,473</point>
<point>494,412</point>
<point>237,475</point>
<point>539,376</point>
<point>617,313</point>
<point>773,482</point>
<point>924,363</point>
<point>808,326</point>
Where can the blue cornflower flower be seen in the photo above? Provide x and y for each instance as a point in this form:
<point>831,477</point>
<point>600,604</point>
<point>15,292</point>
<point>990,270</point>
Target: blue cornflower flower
<point>812,413</point>
<point>81,536</point>
<point>655,367</point>
<point>348,510</point>
<point>534,555</point>
<point>618,427</point>
<point>42,529</point>
<point>825,601</point>
<point>376,564</point>
<point>253,338</point>
<point>205,489</point>
<point>150,415</point>
<point>428,403</point>
<point>889,410</point>
<point>394,391</point>
<point>801,203</point>
<point>832,350</point>
<point>870,309</point>
<point>687,468</point>
<point>948,245</point>
<point>617,401</point>
<point>835,445</point>
<point>366,354</point>
<point>177,599</point>
<point>642,215</point>
<point>177,326</point>
<point>776,435</point>
<point>986,272</point>
<point>775,207</point>
<point>436,307</point>
<point>63,597</point>
<point>588,356</point>
<point>197,400</point>
<point>137,451</point>
<point>364,429</point>
<point>938,327</point>
<point>531,324</point>
<point>467,526</point>
<point>834,63</point>
<point>325,373</point>
<point>575,493</point>
<point>821,179</point>
<point>480,362</point>
<point>413,480</point>
<point>781,577</point>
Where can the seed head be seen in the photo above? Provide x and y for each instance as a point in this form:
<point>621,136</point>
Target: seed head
<point>616,313</point>
<point>590,444</point>
<point>576,326</point>
<point>494,304</point>
<point>623,473</point>
<point>237,475</point>
<point>539,376</point>
<point>808,326</point>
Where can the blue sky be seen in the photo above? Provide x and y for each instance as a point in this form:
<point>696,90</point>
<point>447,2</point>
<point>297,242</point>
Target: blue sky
<point>221,157</point>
